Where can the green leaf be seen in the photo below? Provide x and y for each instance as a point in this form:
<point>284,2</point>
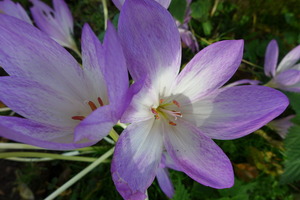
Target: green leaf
<point>201,9</point>
<point>207,27</point>
<point>292,162</point>
<point>177,9</point>
<point>181,192</point>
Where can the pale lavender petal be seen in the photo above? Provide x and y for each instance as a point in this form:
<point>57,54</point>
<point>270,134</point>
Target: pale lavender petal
<point>96,126</point>
<point>164,3</point>
<point>27,52</point>
<point>288,77</point>
<point>189,39</point>
<point>210,68</point>
<point>244,81</point>
<point>198,156</point>
<point>271,58</point>
<point>38,134</point>
<point>233,112</point>
<point>164,182</point>
<point>150,40</point>
<point>136,159</point>
<point>115,72</point>
<point>290,59</point>
<point>58,24</point>
<point>281,126</point>
<point>39,102</point>
<point>8,7</point>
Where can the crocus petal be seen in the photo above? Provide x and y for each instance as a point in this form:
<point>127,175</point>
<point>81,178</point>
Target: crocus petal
<point>281,126</point>
<point>27,52</point>
<point>271,58</point>
<point>243,81</point>
<point>96,126</point>
<point>136,159</point>
<point>290,59</point>
<point>164,182</point>
<point>164,3</point>
<point>189,39</point>
<point>149,48</point>
<point>288,77</point>
<point>8,7</point>
<point>198,156</point>
<point>210,68</point>
<point>37,134</point>
<point>233,112</point>
<point>58,24</point>
<point>115,71</point>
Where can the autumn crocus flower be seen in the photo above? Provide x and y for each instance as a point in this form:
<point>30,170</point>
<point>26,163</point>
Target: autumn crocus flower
<point>64,105</point>
<point>8,7</point>
<point>57,22</point>
<point>286,75</point>
<point>182,113</point>
<point>164,3</point>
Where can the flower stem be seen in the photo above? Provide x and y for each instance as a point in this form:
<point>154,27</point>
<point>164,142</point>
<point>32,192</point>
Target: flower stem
<point>46,155</point>
<point>5,109</point>
<point>105,13</point>
<point>80,175</point>
<point>114,135</point>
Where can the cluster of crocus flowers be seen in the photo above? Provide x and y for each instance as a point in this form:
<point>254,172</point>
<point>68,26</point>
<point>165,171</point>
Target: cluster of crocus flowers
<point>174,116</point>
<point>286,75</point>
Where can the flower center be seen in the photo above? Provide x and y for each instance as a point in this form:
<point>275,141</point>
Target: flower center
<point>92,106</point>
<point>167,110</point>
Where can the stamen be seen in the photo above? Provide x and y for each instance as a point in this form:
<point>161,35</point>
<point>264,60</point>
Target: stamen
<point>100,101</point>
<point>172,123</point>
<point>156,116</point>
<point>92,105</point>
<point>176,103</point>
<point>80,118</point>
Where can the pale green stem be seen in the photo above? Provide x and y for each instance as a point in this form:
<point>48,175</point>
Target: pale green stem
<point>80,175</point>
<point>122,125</point>
<point>5,109</point>
<point>105,13</point>
<point>46,155</point>
<point>18,146</point>
<point>114,135</point>
<point>75,49</point>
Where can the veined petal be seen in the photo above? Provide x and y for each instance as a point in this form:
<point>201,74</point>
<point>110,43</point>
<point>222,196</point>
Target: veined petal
<point>8,7</point>
<point>288,77</point>
<point>96,126</point>
<point>27,52</point>
<point>198,156</point>
<point>39,102</point>
<point>271,58</point>
<point>38,134</point>
<point>151,41</point>
<point>290,59</point>
<point>51,22</point>
<point>136,159</point>
<point>164,3</point>
<point>93,62</point>
<point>164,182</point>
<point>233,112</point>
<point>115,72</point>
<point>211,68</point>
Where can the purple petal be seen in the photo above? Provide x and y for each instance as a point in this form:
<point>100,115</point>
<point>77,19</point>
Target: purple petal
<point>210,68</point>
<point>164,3</point>
<point>136,159</point>
<point>115,72</point>
<point>37,134</point>
<point>150,39</point>
<point>96,126</point>
<point>290,59</point>
<point>198,156</point>
<point>27,52</point>
<point>8,7</point>
<point>164,182</point>
<point>281,126</point>
<point>271,58</point>
<point>58,23</point>
<point>233,112</point>
<point>39,102</point>
<point>288,77</point>
<point>189,39</point>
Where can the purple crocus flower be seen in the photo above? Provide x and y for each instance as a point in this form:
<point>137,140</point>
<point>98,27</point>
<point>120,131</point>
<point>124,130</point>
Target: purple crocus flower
<point>281,126</point>
<point>286,75</point>
<point>187,37</point>
<point>57,22</point>
<point>182,113</point>
<point>164,3</point>
<point>64,105</point>
<point>8,7</point>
